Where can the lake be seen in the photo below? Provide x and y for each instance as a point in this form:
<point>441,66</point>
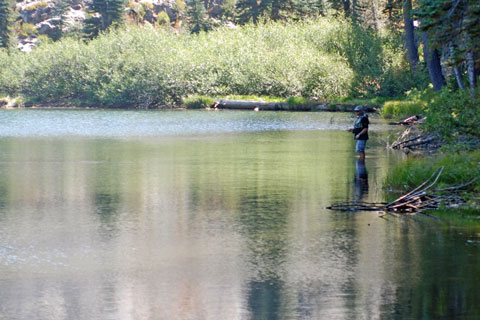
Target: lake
<point>214,215</point>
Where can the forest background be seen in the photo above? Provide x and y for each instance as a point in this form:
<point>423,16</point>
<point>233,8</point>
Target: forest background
<point>149,54</point>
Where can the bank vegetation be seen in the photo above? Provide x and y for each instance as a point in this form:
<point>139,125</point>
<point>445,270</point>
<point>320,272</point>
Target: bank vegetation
<point>146,67</point>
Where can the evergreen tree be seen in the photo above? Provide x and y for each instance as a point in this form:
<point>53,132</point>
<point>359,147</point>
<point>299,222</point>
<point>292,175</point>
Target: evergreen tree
<point>280,9</point>
<point>5,22</point>
<point>343,6</point>
<point>197,16</point>
<point>253,10</point>
<point>228,9</point>
<point>454,24</point>
<point>249,10</point>
<point>393,11</point>
<point>110,12</point>
<point>309,8</point>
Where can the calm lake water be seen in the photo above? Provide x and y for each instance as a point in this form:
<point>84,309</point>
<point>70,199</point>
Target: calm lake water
<point>214,215</point>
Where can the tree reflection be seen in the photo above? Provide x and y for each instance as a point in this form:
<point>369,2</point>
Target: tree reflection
<point>264,219</point>
<point>264,300</point>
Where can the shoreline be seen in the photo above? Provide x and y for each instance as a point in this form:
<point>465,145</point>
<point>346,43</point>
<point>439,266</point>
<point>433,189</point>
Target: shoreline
<point>8,103</point>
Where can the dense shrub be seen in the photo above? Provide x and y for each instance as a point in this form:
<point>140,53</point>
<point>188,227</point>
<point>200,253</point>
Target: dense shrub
<point>145,67</point>
<point>453,114</point>
<point>401,109</point>
<point>197,102</point>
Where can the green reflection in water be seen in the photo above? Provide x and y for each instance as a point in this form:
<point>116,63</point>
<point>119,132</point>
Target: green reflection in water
<point>174,210</point>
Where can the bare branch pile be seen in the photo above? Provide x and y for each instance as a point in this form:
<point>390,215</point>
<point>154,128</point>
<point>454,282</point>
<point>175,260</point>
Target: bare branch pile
<point>418,200</point>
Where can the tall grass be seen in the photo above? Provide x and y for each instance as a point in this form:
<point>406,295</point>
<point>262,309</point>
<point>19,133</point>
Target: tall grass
<point>145,67</point>
<point>401,109</point>
<point>459,168</point>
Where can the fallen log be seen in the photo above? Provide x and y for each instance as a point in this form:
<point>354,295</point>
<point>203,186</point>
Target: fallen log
<point>397,145</point>
<point>250,105</point>
<point>282,106</point>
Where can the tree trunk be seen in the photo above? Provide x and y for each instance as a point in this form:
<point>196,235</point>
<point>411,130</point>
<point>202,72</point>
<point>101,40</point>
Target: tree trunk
<point>374,17</point>
<point>433,64</point>
<point>354,11</point>
<point>456,71</point>
<point>471,73</point>
<point>346,7</point>
<point>410,34</point>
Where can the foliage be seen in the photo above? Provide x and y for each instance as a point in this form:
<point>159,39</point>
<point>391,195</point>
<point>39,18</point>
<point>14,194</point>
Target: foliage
<point>198,102</point>
<point>459,168</point>
<point>453,114</point>
<point>163,18</point>
<point>27,30</point>
<point>299,101</point>
<point>454,29</point>
<point>448,21</point>
<point>136,11</point>
<point>110,12</point>
<point>312,8</point>
<point>147,67</point>
<point>197,16</point>
<point>252,97</point>
<point>377,62</point>
<point>401,109</point>
<point>376,101</point>
<point>249,11</point>
<point>35,5</point>
<point>228,10</point>
<point>5,22</point>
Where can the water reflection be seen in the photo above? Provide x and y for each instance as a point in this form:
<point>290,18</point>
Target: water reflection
<point>217,227</point>
<point>361,180</point>
<point>265,300</point>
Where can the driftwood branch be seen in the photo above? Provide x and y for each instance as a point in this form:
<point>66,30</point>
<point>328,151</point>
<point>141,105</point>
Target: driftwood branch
<point>397,144</point>
<point>461,186</point>
<point>415,201</point>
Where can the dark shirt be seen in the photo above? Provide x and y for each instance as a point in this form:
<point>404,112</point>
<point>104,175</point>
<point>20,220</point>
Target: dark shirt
<point>360,123</point>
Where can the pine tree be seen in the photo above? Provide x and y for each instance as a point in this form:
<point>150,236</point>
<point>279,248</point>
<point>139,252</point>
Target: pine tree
<point>249,10</point>
<point>454,24</point>
<point>5,22</point>
<point>253,10</point>
<point>197,16</point>
<point>111,11</point>
<point>309,8</point>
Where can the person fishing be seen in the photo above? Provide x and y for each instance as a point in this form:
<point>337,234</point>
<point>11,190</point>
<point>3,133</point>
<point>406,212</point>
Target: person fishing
<point>360,131</point>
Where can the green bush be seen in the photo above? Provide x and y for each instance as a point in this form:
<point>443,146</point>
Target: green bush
<point>453,114</point>
<point>163,18</point>
<point>401,109</point>
<point>252,97</point>
<point>148,67</point>
<point>198,102</point>
<point>27,30</point>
